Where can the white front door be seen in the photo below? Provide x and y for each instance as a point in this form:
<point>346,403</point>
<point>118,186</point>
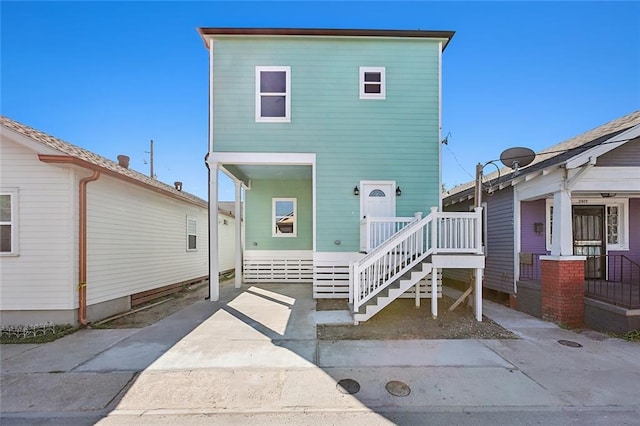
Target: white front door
<point>378,199</point>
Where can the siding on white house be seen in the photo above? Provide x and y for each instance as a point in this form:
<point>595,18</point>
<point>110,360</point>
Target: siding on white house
<point>226,242</point>
<point>137,240</point>
<point>44,274</point>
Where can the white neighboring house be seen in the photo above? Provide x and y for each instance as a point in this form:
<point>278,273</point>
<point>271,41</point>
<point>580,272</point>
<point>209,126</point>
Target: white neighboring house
<point>226,236</point>
<point>81,234</point>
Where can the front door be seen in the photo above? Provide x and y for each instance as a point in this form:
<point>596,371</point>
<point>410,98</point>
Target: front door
<point>588,239</point>
<point>378,200</point>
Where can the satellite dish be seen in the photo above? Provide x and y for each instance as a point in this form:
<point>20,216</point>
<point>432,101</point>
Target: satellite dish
<point>517,157</point>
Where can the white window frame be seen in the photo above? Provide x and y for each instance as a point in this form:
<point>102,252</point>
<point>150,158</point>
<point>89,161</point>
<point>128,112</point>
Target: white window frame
<point>286,94</point>
<point>13,194</point>
<point>273,218</point>
<point>623,219</point>
<point>383,84</point>
<point>188,234</point>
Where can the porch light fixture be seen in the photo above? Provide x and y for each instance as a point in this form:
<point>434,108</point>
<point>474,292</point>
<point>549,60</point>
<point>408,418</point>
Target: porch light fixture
<point>356,191</point>
<point>398,191</point>
<point>607,194</point>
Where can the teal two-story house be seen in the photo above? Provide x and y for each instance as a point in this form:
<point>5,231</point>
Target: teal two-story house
<point>334,137</point>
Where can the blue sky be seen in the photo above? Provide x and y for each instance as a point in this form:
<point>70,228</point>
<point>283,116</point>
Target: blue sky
<point>110,76</point>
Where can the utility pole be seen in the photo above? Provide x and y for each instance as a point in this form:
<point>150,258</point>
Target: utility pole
<point>150,152</point>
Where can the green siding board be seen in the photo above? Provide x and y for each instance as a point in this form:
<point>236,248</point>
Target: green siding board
<point>258,212</point>
<point>354,139</point>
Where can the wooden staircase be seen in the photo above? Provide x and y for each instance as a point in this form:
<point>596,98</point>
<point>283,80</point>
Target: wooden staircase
<point>392,292</point>
<point>406,258</point>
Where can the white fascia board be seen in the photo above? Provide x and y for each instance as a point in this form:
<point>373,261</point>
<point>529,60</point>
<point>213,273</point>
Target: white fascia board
<point>543,185</point>
<point>609,179</point>
<point>604,147</point>
<point>263,158</point>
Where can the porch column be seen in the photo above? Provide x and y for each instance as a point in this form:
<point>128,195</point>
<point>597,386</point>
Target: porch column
<point>238,232</point>
<point>434,293</point>
<point>562,230</point>
<point>562,272</point>
<point>214,269</point>
<point>477,294</point>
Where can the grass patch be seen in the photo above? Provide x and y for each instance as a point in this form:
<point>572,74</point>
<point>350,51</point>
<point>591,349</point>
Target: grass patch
<point>36,333</point>
<point>632,336</point>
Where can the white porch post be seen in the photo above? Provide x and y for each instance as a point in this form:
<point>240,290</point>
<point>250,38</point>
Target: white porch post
<point>238,231</point>
<point>214,269</point>
<point>477,293</point>
<point>434,293</point>
<point>562,230</point>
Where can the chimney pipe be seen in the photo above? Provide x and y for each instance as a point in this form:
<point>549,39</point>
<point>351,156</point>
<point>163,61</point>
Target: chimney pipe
<point>178,185</point>
<point>123,161</point>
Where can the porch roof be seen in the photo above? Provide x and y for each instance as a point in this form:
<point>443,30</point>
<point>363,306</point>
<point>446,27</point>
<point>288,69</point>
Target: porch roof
<point>592,143</point>
<point>209,33</point>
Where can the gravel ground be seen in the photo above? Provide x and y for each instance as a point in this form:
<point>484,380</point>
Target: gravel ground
<point>400,320</point>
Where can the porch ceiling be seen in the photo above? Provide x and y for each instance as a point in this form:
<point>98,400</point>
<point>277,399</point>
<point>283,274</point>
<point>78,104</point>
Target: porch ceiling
<point>271,172</point>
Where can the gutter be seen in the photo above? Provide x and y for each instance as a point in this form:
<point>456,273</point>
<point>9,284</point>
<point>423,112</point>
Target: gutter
<point>82,248</point>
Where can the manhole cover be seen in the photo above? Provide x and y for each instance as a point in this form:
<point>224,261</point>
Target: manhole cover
<point>397,388</point>
<point>348,386</point>
<point>570,343</point>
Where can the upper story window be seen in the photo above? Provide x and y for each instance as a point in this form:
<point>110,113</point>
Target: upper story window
<point>273,94</point>
<point>372,83</point>
<point>9,222</point>
<point>192,233</point>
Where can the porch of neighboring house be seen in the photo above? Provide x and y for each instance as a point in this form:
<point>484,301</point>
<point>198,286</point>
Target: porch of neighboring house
<point>604,233</point>
<point>396,257</point>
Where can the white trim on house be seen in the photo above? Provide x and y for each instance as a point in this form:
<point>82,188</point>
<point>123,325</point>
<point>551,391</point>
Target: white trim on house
<point>264,158</point>
<point>286,94</point>
<point>440,126</point>
<point>382,83</point>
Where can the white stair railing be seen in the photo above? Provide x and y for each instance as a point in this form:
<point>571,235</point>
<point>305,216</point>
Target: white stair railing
<point>439,232</point>
<point>376,230</point>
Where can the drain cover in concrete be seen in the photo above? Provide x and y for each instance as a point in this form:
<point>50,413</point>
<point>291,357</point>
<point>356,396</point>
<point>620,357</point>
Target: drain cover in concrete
<point>397,388</point>
<point>348,386</point>
<point>570,343</point>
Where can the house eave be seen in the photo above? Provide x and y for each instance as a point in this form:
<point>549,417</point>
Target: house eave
<point>74,161</point>
<point>208,33</point>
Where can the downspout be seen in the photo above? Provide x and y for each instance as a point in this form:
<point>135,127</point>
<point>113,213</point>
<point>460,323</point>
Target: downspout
<point>82,248</point>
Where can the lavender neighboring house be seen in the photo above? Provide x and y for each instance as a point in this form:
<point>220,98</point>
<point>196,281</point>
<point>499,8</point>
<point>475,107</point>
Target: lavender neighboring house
<point>586,190</point>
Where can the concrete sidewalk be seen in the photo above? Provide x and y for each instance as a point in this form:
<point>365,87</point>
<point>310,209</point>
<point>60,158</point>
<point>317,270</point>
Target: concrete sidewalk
<point>255,353</point>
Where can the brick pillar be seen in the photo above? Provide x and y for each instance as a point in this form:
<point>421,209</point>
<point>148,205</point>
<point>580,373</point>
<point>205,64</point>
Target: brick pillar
<point>563,290</point>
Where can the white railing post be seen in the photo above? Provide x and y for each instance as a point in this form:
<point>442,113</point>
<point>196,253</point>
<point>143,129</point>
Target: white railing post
<point>351,281</point>
<point>479,225</point>
<point>434,229</point>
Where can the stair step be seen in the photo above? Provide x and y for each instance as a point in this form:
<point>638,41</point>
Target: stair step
<point>392,291</point>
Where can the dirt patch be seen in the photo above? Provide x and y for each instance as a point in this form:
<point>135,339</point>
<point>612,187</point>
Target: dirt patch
<point>402,320</point>
<point>155,310</point>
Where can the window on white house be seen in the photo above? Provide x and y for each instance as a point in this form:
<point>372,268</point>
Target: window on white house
<point>273,94</point>
<point>372,83</point>
<point>192,233</point>
<point>9,222</point>
<point>285,217</point>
